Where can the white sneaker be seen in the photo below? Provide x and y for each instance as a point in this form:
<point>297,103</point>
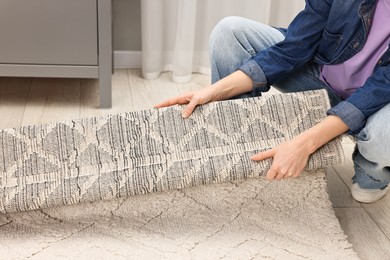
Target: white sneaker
<point>367,195</point>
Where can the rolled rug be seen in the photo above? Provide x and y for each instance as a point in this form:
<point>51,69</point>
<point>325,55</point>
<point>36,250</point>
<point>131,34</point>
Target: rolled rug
<point>154,150</point>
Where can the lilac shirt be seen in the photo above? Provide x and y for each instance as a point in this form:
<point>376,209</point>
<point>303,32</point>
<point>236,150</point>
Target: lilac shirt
<point>346,77</point>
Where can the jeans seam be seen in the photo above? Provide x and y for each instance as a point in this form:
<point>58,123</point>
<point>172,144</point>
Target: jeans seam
<point>369,176</point>
<point>250,51</point>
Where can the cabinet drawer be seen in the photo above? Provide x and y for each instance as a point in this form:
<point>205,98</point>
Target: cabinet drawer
<point>58,32</point>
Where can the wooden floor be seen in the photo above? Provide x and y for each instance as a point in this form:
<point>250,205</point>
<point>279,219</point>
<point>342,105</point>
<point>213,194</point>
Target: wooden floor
<point>25,101</point>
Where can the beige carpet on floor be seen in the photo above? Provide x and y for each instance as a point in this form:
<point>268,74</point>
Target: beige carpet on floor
<point>67,189</point>
<point>246,219</point>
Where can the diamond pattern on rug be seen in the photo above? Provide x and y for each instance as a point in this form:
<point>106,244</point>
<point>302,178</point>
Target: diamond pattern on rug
<point>152,150</point>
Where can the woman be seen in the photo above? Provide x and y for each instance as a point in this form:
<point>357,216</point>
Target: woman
<point>342,46</point>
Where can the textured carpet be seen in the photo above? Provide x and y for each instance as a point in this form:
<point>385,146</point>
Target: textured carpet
<point>147,151</point>
<point>90,162</point>
<point>251,219</point>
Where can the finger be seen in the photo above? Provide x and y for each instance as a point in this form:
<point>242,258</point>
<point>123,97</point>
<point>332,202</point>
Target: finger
<point>166,103</point>
<point>288,175</point>
<point>263,155</point>
<point>180,100</point>
<point>280,176</point>
<point>271,174</point>
<point>190,107</point>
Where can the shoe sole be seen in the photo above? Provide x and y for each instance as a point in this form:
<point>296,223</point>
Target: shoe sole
<point>367,197</point>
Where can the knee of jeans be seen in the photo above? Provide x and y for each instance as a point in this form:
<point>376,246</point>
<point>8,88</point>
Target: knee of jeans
<point>373,146</point>
<point>225,27</point>
<point>373,140</point>
<point>222,36</point>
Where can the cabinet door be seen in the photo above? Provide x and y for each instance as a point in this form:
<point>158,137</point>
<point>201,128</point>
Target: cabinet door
<point>58,32</point>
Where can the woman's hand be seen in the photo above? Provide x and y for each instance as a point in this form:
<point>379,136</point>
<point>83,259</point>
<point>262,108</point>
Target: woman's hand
<point>230,86</point>
<point>193,99</point>
<point>290,158</point>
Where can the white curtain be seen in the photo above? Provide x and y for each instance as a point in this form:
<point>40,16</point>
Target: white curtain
<point>175,32</point>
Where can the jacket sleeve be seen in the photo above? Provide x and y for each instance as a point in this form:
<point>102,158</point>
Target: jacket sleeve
<point>365,101</point>
<point>298,47</point>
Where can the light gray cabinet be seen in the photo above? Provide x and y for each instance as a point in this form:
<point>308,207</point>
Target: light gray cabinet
<point>57,38</point>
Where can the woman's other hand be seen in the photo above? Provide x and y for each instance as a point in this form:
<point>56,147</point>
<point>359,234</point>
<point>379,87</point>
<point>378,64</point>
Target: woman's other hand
<point>193,99</point>
<point>235,84</point>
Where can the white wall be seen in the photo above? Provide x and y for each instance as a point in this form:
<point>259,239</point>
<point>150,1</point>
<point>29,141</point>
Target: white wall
<point>127,25</point>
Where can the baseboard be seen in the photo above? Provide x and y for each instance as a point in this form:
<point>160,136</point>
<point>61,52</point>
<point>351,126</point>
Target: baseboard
<point>127,59</point>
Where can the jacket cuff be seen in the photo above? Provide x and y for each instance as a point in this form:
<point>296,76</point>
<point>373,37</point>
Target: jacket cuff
<point>255,72</point>
<point>350,115</point>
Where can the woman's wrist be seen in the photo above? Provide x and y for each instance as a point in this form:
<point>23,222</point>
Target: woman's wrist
<point>321,133</point>
<point>235,84</point>
<point>306,142</point>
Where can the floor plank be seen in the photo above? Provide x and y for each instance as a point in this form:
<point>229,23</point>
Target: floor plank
<point>52,100</point>
<point>199,81</point>
<point>147,93</point>
<point>339,192</point>
<point>367,239</point>
<point>13,97</point>
<point>380,213</point>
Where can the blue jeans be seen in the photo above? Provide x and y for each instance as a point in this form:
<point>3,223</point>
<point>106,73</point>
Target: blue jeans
<point>235,40</point>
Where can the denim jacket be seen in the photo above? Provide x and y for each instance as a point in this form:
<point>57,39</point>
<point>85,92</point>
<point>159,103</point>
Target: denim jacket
<point>328,32</point>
